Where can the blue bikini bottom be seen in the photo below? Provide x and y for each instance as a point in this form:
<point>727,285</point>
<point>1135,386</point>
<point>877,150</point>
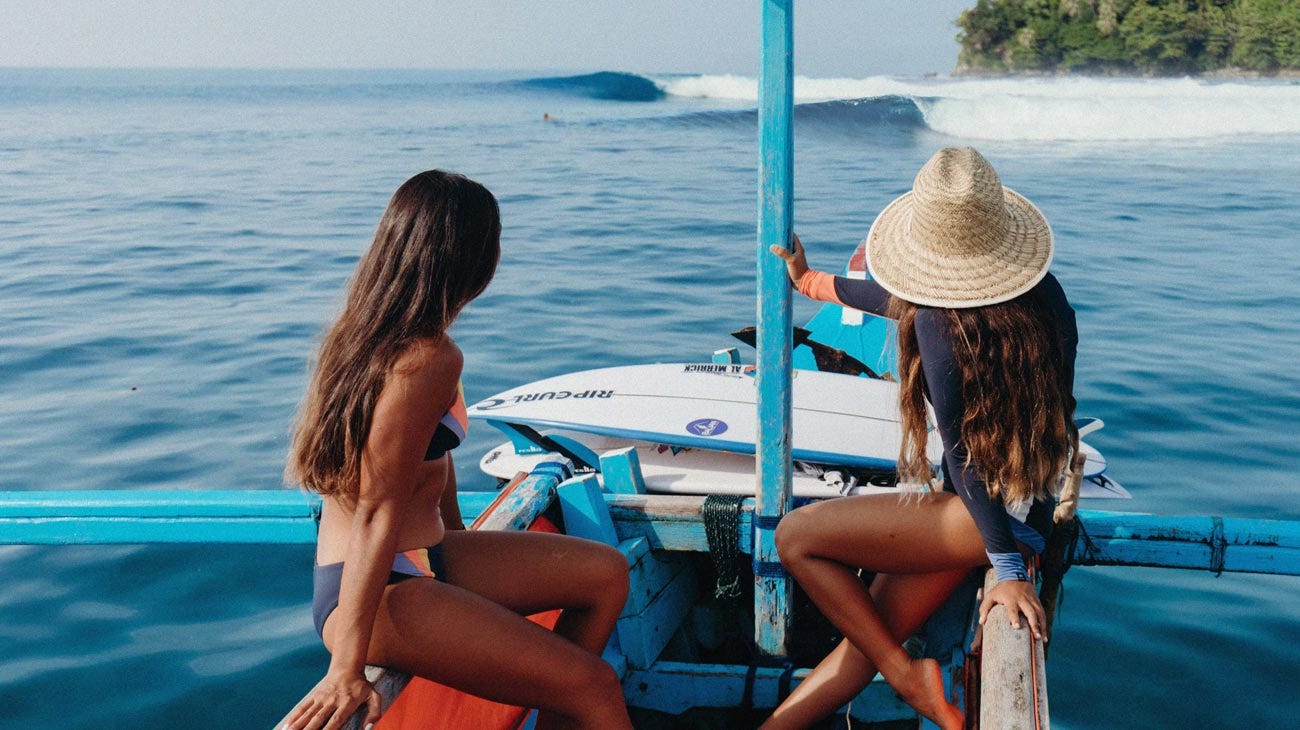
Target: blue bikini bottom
<point>326,579</point>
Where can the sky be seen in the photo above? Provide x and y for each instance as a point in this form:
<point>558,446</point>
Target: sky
<point>833,38</point>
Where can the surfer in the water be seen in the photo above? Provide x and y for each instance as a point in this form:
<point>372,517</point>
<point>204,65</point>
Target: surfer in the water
<point>399,581</point>
<point>986,335</point>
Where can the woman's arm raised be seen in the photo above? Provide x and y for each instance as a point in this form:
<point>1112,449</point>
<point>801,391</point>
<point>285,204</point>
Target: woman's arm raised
<point>862,294</point>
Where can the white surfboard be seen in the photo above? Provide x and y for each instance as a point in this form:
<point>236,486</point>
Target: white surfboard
<point>837,419</point>
<point>684,470</point>
<point>677,470</point>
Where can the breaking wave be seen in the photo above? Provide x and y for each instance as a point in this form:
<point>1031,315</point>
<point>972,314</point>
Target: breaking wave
<point>1083,109</point>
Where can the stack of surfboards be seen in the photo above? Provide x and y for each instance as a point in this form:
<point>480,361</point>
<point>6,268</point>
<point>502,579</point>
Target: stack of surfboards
<point>693,426</point>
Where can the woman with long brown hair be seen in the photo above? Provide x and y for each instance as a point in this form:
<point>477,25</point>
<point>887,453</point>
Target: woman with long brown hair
<point>986,335</point>
<point>399,582</point>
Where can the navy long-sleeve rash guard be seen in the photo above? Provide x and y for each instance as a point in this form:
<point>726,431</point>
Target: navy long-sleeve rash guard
<point>999,530</point>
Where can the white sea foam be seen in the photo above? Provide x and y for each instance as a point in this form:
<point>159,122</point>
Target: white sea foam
<point>1053,108</point>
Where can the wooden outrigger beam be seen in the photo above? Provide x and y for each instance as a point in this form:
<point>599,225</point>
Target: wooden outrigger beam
<point>1012,673</point>
<point>774,361</point>
<point>100,517</point>
<point>133,517</point>
<point>1112,538</point>
<point>1216,544</point>
<point>169,516</point>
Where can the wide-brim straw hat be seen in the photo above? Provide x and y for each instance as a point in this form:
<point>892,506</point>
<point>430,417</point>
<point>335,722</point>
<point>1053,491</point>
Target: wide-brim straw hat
<point>959,238</point>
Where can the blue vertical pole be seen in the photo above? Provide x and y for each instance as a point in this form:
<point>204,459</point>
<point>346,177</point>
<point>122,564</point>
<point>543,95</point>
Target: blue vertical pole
<point>775,212</point>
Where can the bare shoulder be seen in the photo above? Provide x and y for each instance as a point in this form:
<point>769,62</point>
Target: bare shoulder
<point>428,366</point>
<point>429,354</point>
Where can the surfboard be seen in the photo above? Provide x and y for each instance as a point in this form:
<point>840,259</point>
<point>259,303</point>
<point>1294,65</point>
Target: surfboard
<point>683,470</point>
<point>837,419</point>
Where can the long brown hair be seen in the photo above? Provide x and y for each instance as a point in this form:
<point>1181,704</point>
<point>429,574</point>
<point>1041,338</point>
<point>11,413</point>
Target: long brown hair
<point>1018,426</point>
<point>436,249</point>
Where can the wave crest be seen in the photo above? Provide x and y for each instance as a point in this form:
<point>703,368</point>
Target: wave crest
<point>606,85</point>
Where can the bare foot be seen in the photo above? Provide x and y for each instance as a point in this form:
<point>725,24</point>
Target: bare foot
<point>922,688</point>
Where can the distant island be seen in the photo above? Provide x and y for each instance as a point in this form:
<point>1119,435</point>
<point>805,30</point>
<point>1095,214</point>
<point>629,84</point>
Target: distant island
<point>1136,37</point>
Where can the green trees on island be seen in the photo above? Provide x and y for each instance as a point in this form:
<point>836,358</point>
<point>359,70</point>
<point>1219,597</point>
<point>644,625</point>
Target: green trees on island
<point>1130,36</point>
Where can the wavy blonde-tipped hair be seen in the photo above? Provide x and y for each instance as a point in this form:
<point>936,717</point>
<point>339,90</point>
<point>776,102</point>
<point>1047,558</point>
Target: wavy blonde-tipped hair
<point>1018,427</point>
<point>436,248</point>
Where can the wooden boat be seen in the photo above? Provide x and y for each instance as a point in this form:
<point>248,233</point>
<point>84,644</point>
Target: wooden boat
<point>674,634</point>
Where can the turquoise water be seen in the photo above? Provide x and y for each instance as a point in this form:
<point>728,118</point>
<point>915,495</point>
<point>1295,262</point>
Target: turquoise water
<point>173,242</point>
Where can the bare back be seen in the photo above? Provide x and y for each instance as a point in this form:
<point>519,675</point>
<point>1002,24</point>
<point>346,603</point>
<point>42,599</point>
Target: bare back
<point>421,385</point>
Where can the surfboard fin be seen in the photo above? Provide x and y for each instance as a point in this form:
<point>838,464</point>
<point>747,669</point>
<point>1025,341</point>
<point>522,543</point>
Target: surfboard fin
<point>583,458</point>
<point>829,359</point>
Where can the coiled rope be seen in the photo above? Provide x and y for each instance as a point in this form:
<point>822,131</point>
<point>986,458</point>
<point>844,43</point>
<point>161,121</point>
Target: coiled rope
<point>721,515</point>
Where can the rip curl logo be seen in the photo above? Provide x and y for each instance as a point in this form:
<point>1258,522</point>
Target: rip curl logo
<point>493,404</point>
<point>706,427</point>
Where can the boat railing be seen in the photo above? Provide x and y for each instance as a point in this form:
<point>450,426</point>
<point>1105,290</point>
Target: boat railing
<point>652,530</point>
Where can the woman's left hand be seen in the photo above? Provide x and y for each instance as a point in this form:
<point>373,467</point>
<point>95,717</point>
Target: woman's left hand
<point>796,263</point>
<point>1020,598</point>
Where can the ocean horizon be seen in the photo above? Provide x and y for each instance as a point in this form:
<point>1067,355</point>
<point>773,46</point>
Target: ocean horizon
<point>175,240</point>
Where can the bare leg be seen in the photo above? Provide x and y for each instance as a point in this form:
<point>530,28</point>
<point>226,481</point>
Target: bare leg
<point>822,544</point>
<point>587,579</point>
<point>905,602</point>
<point>453,635</point>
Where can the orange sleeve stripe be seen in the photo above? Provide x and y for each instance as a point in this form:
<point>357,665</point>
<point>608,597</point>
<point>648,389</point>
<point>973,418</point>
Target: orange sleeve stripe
<point>819,286</point>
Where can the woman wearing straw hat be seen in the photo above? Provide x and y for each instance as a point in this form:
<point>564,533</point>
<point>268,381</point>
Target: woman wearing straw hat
<point>985,334</point>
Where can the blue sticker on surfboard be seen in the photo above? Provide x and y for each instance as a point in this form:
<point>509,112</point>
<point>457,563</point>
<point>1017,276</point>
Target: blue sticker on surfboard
<point>706,427</point>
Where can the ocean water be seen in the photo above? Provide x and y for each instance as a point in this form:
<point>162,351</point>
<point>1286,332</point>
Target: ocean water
<point>173,243</point>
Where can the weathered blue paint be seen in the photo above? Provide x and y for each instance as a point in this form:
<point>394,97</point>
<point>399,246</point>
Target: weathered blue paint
<point>649,572</point>
<point>621,470</point>
<point>662,589</point>
<point>158,503</point>
<point>1217,544</point>
<point>644,635</point>
<point>527,502</point>
<point>171,530</point>
<point>99,517</point>
<point>672,522</point>
<point>776,211</point>
<point>472,504</point>
<point>585,513</point>
<point>674,687</point>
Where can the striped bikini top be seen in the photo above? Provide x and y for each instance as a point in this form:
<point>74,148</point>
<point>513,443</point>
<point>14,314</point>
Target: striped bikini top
<point>451,429</point>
